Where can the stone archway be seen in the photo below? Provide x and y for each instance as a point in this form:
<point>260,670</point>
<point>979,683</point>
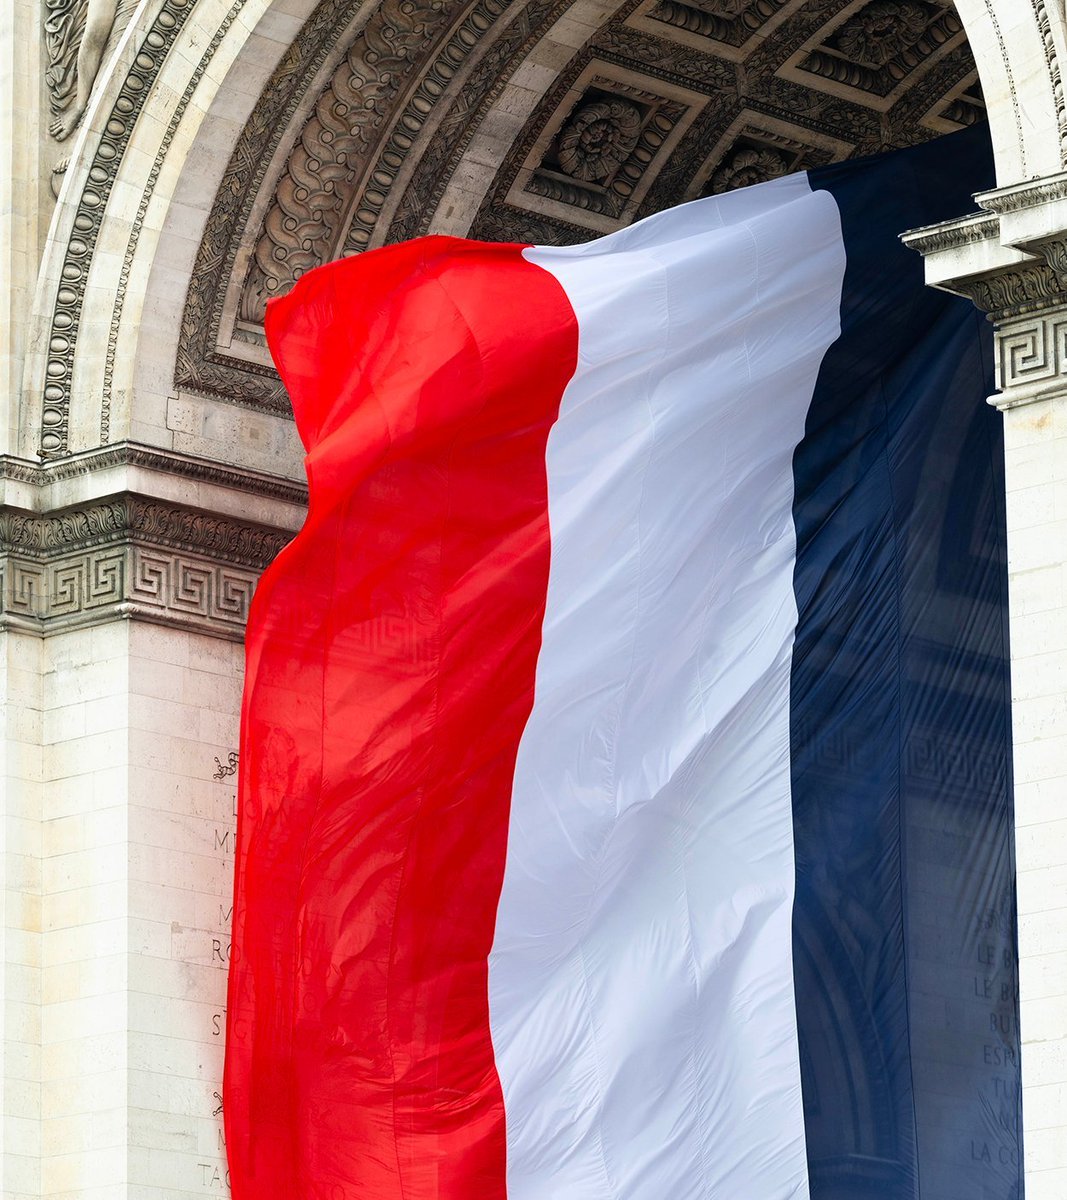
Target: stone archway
<point>153,471</point>
<point>460,120</point>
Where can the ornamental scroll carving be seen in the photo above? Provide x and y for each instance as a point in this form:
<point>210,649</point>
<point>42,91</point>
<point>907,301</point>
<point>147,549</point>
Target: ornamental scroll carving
<point>304,221</point>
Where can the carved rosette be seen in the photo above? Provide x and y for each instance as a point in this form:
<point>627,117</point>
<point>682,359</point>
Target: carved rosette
<point>882,30</point>
<point>747,166</point>
<point>598,139</point>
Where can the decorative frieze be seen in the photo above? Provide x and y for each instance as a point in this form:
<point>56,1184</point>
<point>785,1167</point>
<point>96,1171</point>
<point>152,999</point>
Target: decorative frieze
<point>1011,292</point>
<point>1031,357</point>
<point>130,556</point>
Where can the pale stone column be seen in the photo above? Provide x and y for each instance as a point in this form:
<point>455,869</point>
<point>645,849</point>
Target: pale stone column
<point>20,895</point>
<point>24,207</point>
<point>1012,261</point>
<point>124,589</point>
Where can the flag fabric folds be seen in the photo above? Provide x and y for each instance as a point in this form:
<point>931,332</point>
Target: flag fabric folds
<point>625,797</point>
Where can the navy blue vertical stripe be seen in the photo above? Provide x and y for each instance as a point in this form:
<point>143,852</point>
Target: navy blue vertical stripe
<point>904,929</point>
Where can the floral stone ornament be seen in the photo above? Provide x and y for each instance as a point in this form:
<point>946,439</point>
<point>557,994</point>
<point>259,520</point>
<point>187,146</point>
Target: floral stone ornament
<point>882,30</point>
<point>598,139</point>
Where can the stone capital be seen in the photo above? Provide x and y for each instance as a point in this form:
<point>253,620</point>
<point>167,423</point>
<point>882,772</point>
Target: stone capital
<point>1010,259</point>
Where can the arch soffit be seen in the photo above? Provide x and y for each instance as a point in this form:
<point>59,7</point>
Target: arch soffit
<point>474,121</point>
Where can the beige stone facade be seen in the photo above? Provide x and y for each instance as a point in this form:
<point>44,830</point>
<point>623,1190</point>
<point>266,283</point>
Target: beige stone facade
<point>167,165</point>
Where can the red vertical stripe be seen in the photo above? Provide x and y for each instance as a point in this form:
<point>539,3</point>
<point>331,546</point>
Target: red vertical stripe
<point>391,656</point>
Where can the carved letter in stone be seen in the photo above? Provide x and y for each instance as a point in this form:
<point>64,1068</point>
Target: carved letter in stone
<point>76,34</point>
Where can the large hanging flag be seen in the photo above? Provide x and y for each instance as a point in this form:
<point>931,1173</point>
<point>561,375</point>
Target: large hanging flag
<point>625,782</point>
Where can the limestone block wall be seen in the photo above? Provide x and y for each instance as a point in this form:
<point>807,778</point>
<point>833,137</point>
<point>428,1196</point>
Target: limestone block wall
<point>21,761</point>
<point>1036,460</point>
<point>185,693</point>
<point>132,899</point>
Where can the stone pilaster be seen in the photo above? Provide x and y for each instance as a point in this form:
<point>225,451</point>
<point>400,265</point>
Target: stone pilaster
<point>125,579</point>
<point>1011,260</point>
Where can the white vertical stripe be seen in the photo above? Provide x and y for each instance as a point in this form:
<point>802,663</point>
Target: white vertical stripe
<point>640,983</point>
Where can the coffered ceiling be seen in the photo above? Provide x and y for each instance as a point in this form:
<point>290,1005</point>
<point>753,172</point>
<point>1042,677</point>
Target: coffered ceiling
<point>542,121</point>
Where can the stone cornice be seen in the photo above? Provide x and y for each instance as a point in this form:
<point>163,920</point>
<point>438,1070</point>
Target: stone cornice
<point>1030,194</point>
<point>1030,287</point>
<point>950,235</point>
<point>130,518</point>
<point>132,454</point>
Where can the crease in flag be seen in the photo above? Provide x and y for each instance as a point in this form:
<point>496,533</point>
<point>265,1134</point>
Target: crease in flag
<point>624,799</point>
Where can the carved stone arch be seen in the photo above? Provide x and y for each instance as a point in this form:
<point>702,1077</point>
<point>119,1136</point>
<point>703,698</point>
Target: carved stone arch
<point>145,164</point>
<point>224,128</point>
<point>1019,46</point>
<point>464,111</point>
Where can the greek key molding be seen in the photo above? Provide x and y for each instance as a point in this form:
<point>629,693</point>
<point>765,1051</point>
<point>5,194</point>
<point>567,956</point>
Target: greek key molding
<point>91,204</point>
<point>1031,358</point>
<point>131,557</point>
<point>124,583</point>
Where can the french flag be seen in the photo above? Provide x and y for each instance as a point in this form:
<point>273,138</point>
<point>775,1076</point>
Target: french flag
<point>625,805</point>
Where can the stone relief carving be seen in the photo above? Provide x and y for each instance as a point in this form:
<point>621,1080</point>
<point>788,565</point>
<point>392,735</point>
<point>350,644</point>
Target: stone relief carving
<point>442,155</point>
<point>882,44</point>
<point>731,22</point>
<point>200,365</point>
<point>882,30</point>
<point>394,152</point>
<point>746,166</point>
<point>142,209</point>
<point>76,35</point>
<point>598,139</point>
<point>337,191</point>
<point>131,557</point>
<point>204,367</point>
<point>603,148</point>
<point>133,517</point>
<point>303,224</point>
<point>1052,65</point>
<point>81,243</point>
<point>1028,288</point>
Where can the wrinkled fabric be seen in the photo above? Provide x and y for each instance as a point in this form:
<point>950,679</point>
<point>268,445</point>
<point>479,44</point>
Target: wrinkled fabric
<point>624,771</point>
